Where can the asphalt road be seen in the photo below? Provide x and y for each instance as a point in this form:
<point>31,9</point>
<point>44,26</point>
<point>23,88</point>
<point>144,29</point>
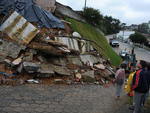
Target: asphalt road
<point>141,54</point>
<point>60,99</point>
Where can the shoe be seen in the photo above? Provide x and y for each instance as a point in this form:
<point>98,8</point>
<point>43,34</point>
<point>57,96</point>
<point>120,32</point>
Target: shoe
<point>131,107</point>
<point>117,98</point>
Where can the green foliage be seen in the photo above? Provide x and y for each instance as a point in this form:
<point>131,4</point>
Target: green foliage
<point>138,38</point>
<point>89,32</point>
<point>112,25</point>
<point>107,24</point>
<point>92,15</point>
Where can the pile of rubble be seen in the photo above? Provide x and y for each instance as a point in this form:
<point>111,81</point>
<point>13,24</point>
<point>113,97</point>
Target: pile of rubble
<point>47,55</point>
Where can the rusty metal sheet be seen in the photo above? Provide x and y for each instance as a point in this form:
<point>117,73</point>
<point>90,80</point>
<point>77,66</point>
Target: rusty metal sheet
<point>18,29</point>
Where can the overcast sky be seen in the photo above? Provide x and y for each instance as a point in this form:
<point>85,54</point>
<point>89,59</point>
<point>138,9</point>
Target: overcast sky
<point>128,11</point>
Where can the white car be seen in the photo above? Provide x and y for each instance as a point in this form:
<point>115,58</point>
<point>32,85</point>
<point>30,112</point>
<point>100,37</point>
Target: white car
<point>114,43</point>
<point>123,53</point>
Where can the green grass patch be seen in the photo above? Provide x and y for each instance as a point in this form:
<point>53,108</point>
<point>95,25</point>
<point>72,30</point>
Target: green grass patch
<point>91,33</point>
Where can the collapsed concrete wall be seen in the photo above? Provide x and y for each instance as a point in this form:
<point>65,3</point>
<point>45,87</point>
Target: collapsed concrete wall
<point>48,5</point>
<point>67,11</point>
<point>50,53</point>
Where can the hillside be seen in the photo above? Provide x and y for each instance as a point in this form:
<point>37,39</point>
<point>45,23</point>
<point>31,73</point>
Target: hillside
<point>89,32</point>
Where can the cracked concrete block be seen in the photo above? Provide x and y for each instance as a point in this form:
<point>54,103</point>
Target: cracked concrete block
<point>31,67</point>
<point>10,49</point>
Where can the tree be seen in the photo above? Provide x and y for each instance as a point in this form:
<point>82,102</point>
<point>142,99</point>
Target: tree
<point>112,25</point>
<point>92,15</point>
<point>107,24</point>
<point>138,38</point>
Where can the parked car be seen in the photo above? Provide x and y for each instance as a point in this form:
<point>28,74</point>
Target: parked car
<point>123,53</point>
<point>114,43</point>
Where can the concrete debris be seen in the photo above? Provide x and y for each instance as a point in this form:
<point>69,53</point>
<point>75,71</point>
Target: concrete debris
<point>41,59</point>
<point>31,67</point>
<point>17,61</point>
<point>60,70</point>
<point>28,56</point>
<point>76,34</point>
<point>45,71</point>
<point>46,48</point>
<point>67,11</point>
<point>100,66</point>
<point>74,60</point>
<point>32,55</point>
<point>89,74</point>
<point>89,59</point>
<point>7,62</point>
<point>71,43</point>
<point>48,5</point>
<point>59,81</point>
<point>33,81</point>
<point>10,49</point>
<point>64,49</point>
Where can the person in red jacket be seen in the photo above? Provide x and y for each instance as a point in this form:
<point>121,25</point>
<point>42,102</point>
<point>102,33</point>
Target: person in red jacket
<point>140,86</point>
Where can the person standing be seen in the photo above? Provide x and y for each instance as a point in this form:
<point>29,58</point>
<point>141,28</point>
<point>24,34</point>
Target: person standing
<point>140,86</point>
<point>119,80</point>
<point>148,81</point>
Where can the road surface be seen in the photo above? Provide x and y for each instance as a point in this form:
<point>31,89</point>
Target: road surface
<point>61,99</point>
<point>141,54</point>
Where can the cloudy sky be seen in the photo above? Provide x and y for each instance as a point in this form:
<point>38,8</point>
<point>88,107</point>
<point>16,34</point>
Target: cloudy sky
<point>128,11</point>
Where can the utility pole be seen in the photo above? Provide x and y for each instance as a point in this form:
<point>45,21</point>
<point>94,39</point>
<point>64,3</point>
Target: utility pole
<point>85,4</point>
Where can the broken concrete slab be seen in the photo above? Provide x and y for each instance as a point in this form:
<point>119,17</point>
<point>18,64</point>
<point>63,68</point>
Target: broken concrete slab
<point>2,58</point>
<point>100,66</point>
<point>18,29</point>
<point>48,5</point>
<point>46,70</point>
<point>31,67</point>
<point>7,62</point>
<point>10,49</point>
<point>71,43</point>
<point>28,56</point>
<point>74,60</point>
<point>33,51</point>
<point>41,59</point>
<point>67,11</point>
<point>61,70</point>
<point>55,43</point>
<point>59,81</point>
<point>46,48</point>
<point>89,59</point>
<point>17,61</point>
<point>88,79</point>
<point>61,61</point>
<point>89,73</point>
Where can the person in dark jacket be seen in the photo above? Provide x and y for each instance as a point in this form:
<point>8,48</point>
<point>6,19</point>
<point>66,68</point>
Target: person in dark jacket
<point>148,81</point>
<point>140,85</point>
